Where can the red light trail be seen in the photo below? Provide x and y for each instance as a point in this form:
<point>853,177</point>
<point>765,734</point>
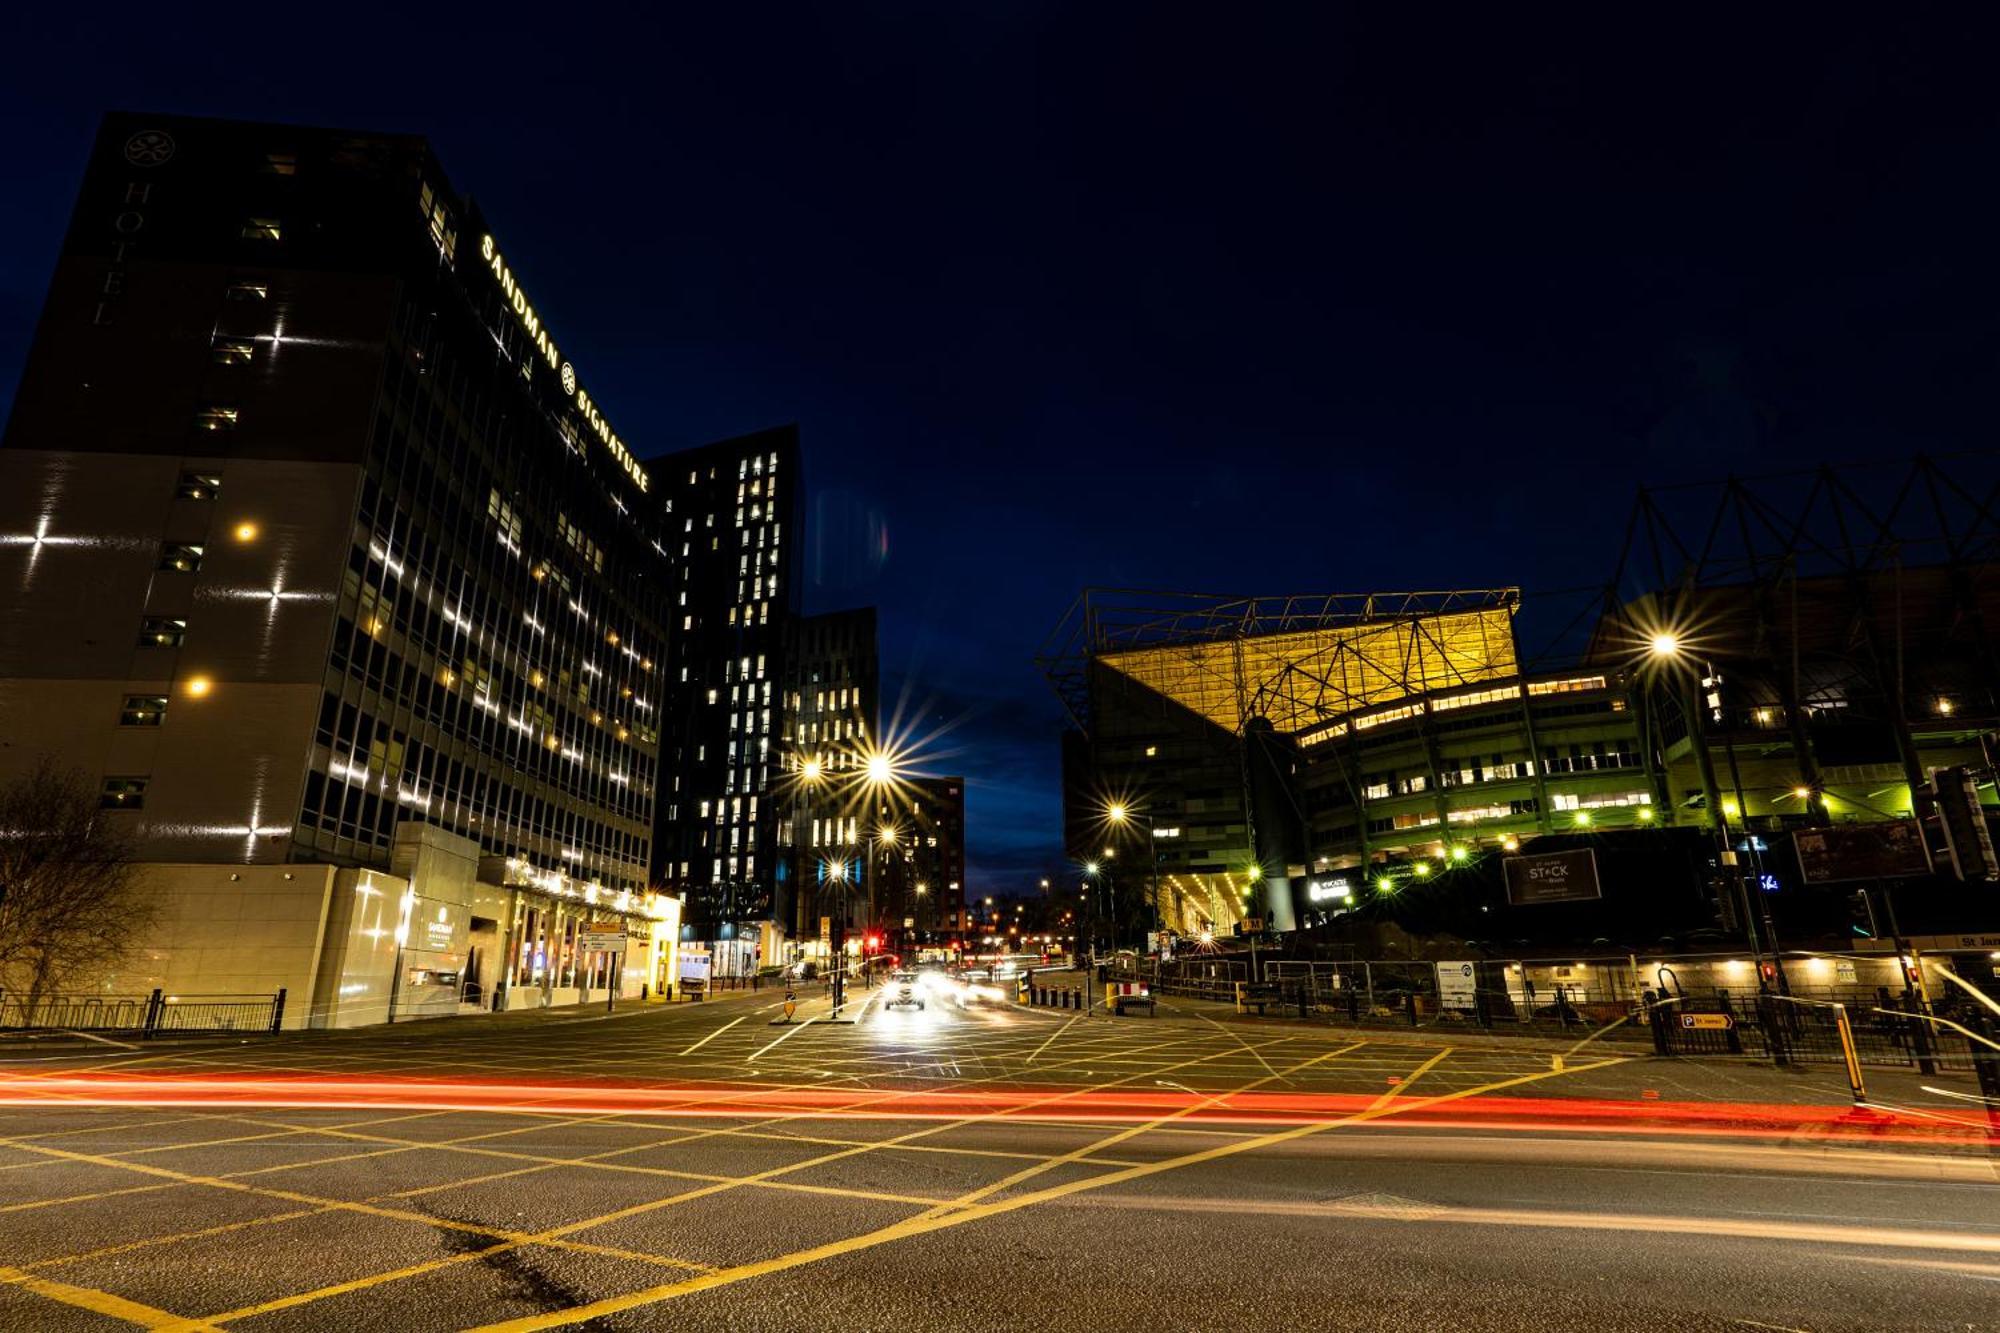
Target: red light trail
<point>1826,1124</point>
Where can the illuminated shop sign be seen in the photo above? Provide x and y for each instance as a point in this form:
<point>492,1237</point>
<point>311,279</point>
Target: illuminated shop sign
<point>1338,889</point>
<point>545,347</point>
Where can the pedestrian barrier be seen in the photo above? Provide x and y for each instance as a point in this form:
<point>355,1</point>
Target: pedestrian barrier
<point>1055,997</point>
<point>1122,995</point>
<point>144,1015</point>
<point>1255,994</point>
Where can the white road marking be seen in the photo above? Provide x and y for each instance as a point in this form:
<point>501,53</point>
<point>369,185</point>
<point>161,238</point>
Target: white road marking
<point>789,1033</point>
<point>713,1035</point>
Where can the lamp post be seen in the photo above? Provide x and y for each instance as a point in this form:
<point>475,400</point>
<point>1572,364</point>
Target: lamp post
<point>1666,649</point>
<point>888,843</point>
<point>812,772</point>
<point>835,872</point>
<point>1093,886</point>
<point>1121,815</point>
<point>879,773</point>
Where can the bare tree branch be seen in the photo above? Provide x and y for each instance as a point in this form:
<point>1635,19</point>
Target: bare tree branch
<point>69,901</point>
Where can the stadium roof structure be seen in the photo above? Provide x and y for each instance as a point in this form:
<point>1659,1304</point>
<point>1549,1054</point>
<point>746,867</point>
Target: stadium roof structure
<point>1296,660</point>
<point>1692,548</point>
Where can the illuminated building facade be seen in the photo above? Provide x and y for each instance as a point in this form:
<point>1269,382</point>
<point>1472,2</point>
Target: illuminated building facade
<point>1297,759</point>
<point>311,532</point>
<point>734,513</point>
<point>834,697</point>
<point>935,871</point>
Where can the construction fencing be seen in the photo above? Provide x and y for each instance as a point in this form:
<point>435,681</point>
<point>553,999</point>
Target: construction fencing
<point>1620,1001</point>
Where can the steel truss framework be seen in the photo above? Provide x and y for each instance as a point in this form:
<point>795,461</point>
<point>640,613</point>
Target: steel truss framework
<point>1843,608</point>
<point>1294,659</point>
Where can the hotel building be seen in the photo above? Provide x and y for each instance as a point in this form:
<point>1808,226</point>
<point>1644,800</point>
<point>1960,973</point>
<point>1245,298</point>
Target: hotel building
<point>321,557</point>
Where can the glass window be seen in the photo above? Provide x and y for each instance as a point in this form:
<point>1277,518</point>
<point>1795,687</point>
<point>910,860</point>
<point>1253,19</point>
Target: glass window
<point>123,794</point>
<point>262,229</point>
<point>247,291</point>
<point>143,710</point>
<point>197,486</point>
<point>162,632</point>
<point>181,558</point>
<point>216,417</point>
<point>232,351</point>
<point>281,164</point>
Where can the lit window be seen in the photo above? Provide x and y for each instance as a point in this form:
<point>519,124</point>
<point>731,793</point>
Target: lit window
<point>232,351</point>
<point>216,418</point>
<point>504,516</point>
<point>143,710</point>
<point>281,164</point>
<point>162,632</point>
<point>123,794</point>
<point>262,229</point>
<point>180,558</point>
<point>197,486</point>
<point>247,291</point>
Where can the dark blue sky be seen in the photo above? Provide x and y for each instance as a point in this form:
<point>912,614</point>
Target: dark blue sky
<point>1217,297</point>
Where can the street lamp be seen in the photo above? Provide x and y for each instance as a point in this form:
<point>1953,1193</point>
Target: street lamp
<point>836,873</point>
<point>812,771</point>
<point>1120,815</point>
<point>1665,648</point>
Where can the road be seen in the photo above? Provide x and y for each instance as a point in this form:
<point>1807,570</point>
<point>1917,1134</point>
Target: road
<point>971,1169</point>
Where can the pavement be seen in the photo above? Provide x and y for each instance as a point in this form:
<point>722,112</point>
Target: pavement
<point>983,1167</point>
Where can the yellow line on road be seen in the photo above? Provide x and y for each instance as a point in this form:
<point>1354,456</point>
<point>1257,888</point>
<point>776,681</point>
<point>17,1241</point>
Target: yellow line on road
<point>1052,1036</point>
<point>98,1302</point>
<point>1413,1076</point>
<point>1092,1149</point>
<point>764,1179</point>
<point>924,1225</point>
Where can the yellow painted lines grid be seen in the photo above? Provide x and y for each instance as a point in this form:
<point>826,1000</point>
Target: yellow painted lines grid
<point>1101,1059</point>
<point>974,1212</point>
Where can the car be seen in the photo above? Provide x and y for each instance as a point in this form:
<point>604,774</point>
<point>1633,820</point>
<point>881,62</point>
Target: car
<point>904,990</point>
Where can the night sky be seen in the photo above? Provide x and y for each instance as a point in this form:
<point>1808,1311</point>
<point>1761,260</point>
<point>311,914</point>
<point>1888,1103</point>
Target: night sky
<point>1216,298</point>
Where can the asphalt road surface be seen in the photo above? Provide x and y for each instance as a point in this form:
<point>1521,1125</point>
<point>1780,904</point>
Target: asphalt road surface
<point>972,1168</point>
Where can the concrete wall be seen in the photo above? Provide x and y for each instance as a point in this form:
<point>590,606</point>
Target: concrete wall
<point>80,548</point>
<point>443,872</point>
<point>358,965</point>
<point>231,930</point>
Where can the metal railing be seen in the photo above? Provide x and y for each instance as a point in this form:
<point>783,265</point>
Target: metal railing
<point>141,1014</point>
<point>1801,1026</point>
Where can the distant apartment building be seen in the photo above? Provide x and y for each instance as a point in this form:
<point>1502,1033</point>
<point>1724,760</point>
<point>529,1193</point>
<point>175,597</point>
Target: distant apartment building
<point>733,510</point>
<point>831,730</point>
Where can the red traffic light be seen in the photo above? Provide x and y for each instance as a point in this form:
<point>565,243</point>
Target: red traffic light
<point>872,943</point>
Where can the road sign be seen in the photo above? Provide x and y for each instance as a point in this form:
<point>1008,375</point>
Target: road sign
<point>1458,985</point>
<point>1553,877</point>
<point>1893,850</point>
<point>1967,840</point>
<point>593,942</point>
<point>1708,1022</point>
<point>1253,925</point>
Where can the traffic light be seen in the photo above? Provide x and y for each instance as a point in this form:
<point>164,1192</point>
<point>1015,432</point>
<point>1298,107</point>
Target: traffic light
<point>1861,914</point>
<point>1966,837</point>
<point>872,943</point>
<point>1723,892</point>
